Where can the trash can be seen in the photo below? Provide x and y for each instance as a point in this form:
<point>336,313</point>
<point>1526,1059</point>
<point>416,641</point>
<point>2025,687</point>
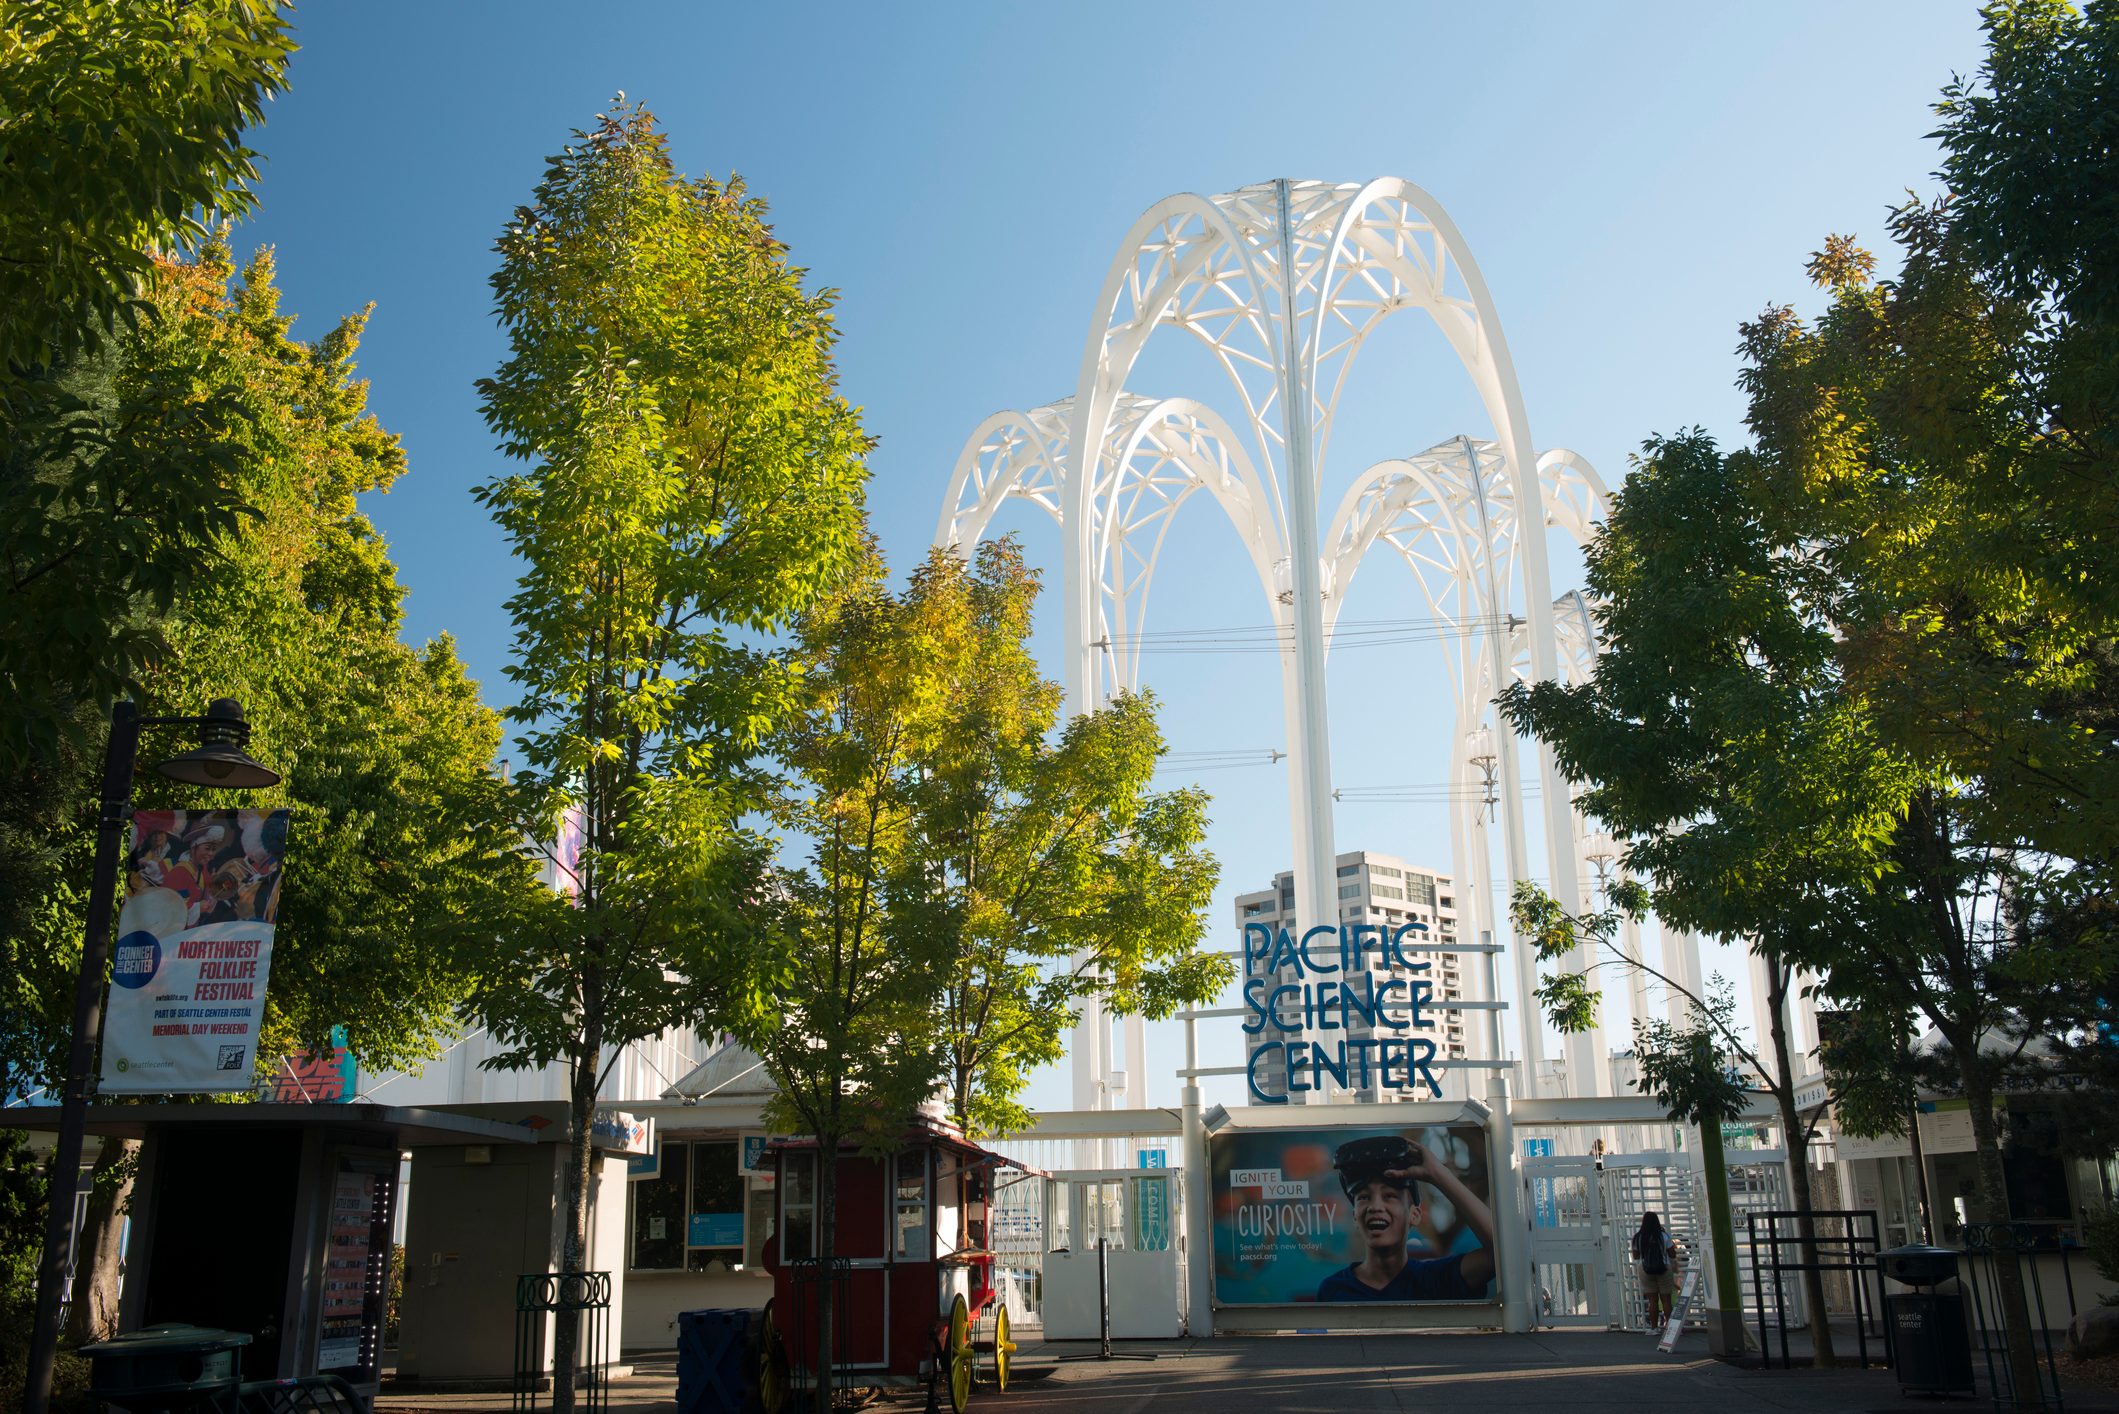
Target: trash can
<point>1930,1342</point>
<point>715,1374</point>
<point>169,1367</point>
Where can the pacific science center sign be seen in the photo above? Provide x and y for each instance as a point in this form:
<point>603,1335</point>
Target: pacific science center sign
<point>1333,990</point>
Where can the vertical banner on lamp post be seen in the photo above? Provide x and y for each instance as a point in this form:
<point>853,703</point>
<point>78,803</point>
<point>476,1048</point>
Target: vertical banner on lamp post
<point>194,948</point>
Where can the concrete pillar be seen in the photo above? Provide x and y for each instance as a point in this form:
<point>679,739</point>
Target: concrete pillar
<point>1504,1196</point>
<point>1199,1219</point>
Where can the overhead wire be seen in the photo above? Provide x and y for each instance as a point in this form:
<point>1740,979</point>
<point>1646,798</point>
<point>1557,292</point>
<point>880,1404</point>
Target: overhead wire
<point>1276,638</point>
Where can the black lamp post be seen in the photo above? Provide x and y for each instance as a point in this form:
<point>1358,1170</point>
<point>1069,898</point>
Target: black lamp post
<point>219,762</point>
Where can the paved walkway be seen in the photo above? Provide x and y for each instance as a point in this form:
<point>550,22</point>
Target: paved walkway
<point>1563,1372</point>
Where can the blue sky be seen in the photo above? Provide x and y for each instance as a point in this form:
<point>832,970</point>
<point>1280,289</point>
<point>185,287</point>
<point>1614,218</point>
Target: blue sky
<point>1634,180</point>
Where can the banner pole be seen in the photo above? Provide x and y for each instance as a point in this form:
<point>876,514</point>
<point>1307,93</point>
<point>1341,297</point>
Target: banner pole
<point>118,760</point>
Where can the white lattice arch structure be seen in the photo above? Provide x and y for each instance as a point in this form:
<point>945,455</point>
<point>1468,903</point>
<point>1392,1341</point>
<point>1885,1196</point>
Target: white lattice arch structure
<point>1283,282</point>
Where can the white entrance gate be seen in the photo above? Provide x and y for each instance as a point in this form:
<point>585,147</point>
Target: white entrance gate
<point>1565,1203</point>
<point>1583,1216</point>
<point>1115,1229</point>
<point>1658,1182</point>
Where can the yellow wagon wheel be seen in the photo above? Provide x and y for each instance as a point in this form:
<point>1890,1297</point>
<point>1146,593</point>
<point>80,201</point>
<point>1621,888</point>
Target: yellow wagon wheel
<point>772,1366</point>
<point>960,1355</point>
<point>1003,1347</point>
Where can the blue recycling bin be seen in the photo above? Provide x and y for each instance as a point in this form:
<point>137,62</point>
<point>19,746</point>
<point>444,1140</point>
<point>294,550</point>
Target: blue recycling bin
<point>715,1374</point>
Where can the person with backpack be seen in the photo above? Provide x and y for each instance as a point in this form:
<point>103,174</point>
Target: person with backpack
<point>1654,1254</point>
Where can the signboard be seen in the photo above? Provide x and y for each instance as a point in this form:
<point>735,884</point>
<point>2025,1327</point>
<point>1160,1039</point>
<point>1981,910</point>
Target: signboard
<point>615,1131</point>
<point>1679,1309</point>
<point>714,1230</point>
<point>647,1165</point>
<point>194,950</point>
<point>750,1156</point>
<point>1151,1214</point>
<point>1353,1215</point>
<point>1297,992</point>
<point>346,1271</point>
<point>331,1077</point>
<point>1155,1158</point>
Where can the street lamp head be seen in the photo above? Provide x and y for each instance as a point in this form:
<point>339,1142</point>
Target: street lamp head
<point>219,760</point>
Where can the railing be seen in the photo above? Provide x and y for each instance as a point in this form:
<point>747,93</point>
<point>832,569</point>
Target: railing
<point>1851,1249</point>
<point>549,1299</point>
<point>806,1275</point>
<point>1987,1247</point>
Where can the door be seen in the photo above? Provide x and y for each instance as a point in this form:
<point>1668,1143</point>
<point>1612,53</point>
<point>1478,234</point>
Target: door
<point>1120,1231</point>
<point>223,1233</point>
<point>1566,1206</point>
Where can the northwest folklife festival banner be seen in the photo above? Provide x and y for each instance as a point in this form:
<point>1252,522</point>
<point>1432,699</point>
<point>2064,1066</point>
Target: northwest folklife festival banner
<point>1346,1216</point>
<point>194,949</point>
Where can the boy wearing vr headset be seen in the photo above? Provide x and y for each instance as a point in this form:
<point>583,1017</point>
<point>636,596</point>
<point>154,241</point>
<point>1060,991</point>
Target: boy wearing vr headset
<point>1382,1178</point>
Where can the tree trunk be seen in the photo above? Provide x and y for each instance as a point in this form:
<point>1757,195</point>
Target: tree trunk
<point>566,1333</point>
<point>827,1251</point>
<point>93,1313</point>
<point>1795,1137</point>
<point>2008,1263</point>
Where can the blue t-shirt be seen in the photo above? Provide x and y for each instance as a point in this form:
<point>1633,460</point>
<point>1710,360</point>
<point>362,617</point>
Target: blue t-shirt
<point>1435,1279</point>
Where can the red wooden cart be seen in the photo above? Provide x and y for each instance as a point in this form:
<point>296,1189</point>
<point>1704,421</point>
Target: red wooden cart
<point>917,1301</point>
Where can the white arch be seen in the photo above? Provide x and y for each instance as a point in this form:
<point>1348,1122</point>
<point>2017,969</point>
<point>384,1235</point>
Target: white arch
<point>1283,281</point>
<point>1010,454</point>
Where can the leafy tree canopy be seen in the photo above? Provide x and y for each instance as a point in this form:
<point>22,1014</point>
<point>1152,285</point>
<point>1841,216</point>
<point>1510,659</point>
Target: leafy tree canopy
<point>385,748</point>
<point>1043,852</point>
<point>121,127</point>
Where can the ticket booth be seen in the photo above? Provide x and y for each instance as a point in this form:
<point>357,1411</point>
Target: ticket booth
<point>1115,1230</point>
<point>916,1285</point>
<point>271,1220</point>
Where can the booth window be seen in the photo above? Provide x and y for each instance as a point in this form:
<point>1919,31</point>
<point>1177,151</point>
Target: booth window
<point>658,1210</point>
<point>798,1206</point>
<point>695,1211</point>
<point>714,1227</point>
<point>760,1226</point>
<point>909,1205</point>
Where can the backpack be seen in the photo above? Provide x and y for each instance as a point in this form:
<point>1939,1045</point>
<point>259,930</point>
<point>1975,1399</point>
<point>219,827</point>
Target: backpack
<point>1653,1261</point>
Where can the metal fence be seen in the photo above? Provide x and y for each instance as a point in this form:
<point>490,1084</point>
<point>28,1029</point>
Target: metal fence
<point>1845,1241</point>
<point>544,1300</point>
<point>1989,1250</point>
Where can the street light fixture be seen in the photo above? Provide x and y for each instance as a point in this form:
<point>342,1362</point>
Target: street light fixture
<point>219,762</point>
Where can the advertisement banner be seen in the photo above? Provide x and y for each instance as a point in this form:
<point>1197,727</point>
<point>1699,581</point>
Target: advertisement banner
<point>1344,1216</point>
<point>193,951</point>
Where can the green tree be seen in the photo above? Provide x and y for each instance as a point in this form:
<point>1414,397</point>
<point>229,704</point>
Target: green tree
<point>843,995</point>
<point>1713,737</point>
<point>1824,698</point>
<point>385,750</point>
<point>695,480</point>
<point>120,133</point>
<point>1055,870</point>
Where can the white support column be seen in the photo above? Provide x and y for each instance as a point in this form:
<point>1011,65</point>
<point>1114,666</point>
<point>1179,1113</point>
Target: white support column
<point>1198,1202</point>
<point>1636,982</point>
<point>1681,964</point>
<point>1497,616</point>
<point>1512,1267</point>
<point>1316,891</point>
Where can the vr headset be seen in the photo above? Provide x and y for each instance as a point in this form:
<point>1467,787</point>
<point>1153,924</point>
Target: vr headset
<point>1362,1161</point>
